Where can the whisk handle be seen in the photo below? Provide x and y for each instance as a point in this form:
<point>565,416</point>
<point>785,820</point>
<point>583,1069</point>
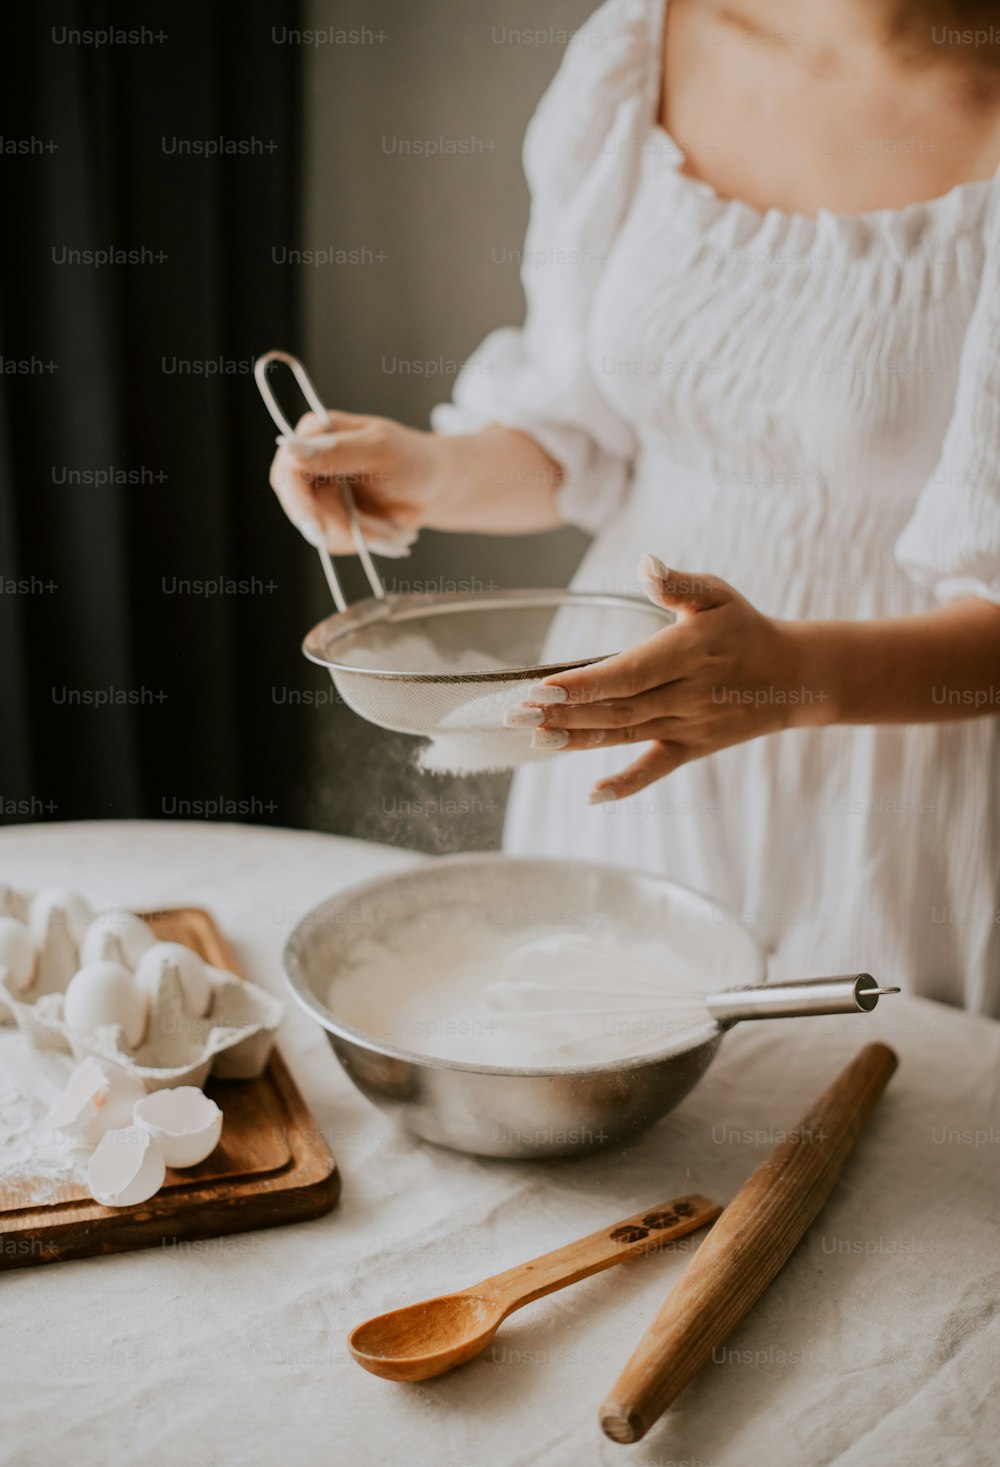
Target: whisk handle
<point>847,993</point>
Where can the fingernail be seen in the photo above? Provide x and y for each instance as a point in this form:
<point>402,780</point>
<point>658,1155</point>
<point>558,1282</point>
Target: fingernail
<point>600,795</point>
<point>651,568</point>
<point>310,530</point>
<point>523,717</point>
<point>546,693</point>
<point>549,738</point>
<point>307,447</point>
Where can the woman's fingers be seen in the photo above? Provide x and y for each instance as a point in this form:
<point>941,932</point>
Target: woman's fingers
<point>684,592</point>
<point>657,660</point>
<point>297,496</point>
<point>335,422</point>
<point>340,455</point>
<point>603,738</point>
<point>662,702</point>
<point>659,761</point>
<point>645,666</point>
<point>317,440</point>
<point>305,475</point>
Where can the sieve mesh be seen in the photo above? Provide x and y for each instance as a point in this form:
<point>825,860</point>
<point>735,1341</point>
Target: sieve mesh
<point>453,663</point>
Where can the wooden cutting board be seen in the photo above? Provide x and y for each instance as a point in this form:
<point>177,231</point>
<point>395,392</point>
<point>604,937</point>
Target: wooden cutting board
<point>272,1165</point>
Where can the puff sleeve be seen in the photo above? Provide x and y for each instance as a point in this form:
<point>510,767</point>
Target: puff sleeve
<point>952,542</point>
<point>580,158</point>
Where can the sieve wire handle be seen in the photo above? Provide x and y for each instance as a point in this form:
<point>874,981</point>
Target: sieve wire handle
<point>312,397</point>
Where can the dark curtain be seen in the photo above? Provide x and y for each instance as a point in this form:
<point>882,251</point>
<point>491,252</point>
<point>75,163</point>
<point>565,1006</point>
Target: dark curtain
<point>151,608</point>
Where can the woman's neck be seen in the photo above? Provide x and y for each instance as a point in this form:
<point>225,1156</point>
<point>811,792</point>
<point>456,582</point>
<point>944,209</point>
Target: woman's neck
<point>803,108</point>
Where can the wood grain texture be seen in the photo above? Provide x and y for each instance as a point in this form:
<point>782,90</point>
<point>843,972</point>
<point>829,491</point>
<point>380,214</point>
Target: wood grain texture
<point>272,1165</point>
<point>426,1339</point>
<point>746,1248</point>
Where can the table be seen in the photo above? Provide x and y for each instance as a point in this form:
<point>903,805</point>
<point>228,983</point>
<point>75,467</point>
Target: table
<point>877,1345</point>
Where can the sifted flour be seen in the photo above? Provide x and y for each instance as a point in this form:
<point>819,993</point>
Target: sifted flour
<point>470,738</point>
<point>486,751</point>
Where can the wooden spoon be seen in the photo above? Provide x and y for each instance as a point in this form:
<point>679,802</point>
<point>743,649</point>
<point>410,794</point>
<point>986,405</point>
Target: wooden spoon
<point>429,1338</point>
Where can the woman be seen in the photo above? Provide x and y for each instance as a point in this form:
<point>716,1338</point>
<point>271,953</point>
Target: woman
<point>762,343</point>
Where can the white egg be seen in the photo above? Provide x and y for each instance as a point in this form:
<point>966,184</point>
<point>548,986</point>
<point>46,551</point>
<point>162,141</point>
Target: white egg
<point>18,953</point>
<point>194,975</point>
<point>185,1123</point>
<point>106,993</point>
<point>66,908</point>
<point>133,936</point>
<point>127,1167</point>
<point>99,1097</point>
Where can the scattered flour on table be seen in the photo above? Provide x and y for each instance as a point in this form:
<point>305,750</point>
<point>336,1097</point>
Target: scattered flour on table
<point>31,1081</point>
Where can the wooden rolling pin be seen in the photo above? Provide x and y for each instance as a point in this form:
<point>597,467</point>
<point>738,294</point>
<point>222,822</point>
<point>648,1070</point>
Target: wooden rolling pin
<point>746,1248</point>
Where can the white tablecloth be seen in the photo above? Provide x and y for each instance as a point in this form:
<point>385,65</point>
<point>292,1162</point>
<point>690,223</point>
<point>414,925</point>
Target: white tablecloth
<point>878,1344</point>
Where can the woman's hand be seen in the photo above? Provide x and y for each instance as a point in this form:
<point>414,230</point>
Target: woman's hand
<point>493,481</point>
<point>390,468</point>
<point>721,674</point>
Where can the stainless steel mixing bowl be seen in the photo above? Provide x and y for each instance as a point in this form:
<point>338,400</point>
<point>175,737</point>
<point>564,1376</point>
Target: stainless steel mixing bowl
<point>511,1112</point>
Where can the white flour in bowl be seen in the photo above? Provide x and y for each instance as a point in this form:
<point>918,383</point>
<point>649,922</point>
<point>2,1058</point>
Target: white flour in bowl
<point>458,986</point>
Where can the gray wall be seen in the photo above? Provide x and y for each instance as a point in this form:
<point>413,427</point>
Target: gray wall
<point>431,232</point>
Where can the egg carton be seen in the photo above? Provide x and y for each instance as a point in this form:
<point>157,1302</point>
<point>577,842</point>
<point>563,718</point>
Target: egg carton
<point>233,1041</point>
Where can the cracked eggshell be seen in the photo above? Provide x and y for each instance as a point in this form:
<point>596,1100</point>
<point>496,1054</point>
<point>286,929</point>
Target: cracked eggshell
<point>119,929</point>
<point>18,953</point>
<point>185,1122</point>
<point>194,975</point>
<point>103,994</point>
<point>98,1097</point>
<point>127,1167</point>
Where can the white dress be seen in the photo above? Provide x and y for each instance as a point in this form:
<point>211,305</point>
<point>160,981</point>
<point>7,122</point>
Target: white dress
<point>811,410</point>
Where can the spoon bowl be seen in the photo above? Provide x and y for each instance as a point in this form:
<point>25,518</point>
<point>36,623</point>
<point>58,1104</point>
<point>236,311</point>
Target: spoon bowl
<point>423,1340</point>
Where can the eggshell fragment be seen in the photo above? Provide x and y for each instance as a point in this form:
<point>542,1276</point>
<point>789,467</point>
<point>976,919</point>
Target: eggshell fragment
<point>133,936</point>
<point>127,1167</point>
<point>183,1121</point>
<point>18,953</point>
<point>106,993</point>
<point>194,975</point>
<point>99,1097</point>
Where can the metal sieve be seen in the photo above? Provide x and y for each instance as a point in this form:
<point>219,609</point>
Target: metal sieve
<point>451,662</point>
